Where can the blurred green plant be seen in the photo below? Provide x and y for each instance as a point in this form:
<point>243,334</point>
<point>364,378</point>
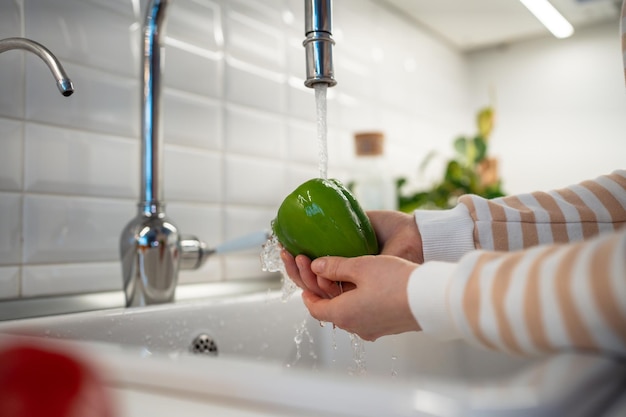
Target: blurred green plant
<point>471,171</point>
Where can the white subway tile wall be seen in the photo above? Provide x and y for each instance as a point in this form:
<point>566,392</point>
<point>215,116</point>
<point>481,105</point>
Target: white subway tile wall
<point>239,126</point>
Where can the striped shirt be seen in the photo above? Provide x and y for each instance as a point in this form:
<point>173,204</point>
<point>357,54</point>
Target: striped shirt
<point>528,274</point>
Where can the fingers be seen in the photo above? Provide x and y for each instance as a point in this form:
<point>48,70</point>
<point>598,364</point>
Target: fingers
<point>329,310</point>
<point>317,306</point>
<point>299,270</point>
<point>332,288</point>
<point>309,279</point>
<point>326,277</point>
<point>291,268</point>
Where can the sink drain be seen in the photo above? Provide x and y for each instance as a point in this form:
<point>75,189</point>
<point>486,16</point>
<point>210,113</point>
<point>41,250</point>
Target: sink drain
<point>204,344</point>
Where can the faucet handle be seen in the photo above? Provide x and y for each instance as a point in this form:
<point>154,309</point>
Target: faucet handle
<point>193,252</point>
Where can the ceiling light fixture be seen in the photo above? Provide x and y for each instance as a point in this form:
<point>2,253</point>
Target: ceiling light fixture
<point>554,21</point>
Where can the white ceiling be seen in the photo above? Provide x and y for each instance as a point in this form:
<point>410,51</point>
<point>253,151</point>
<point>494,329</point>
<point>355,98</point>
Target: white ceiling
<point>475,24</point>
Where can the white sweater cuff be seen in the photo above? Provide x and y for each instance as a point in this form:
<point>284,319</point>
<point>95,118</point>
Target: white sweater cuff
<point>427,292</point>
<point>447,235</point>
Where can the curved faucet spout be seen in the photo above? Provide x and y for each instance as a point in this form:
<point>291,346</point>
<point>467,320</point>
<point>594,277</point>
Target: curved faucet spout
<point>63,81</point>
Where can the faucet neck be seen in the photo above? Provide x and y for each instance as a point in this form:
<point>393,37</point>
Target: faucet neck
<point>151,125</point>
<point>318,16</point>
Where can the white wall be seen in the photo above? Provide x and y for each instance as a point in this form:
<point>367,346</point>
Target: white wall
<point>561,107</point>
<point>239,126</point>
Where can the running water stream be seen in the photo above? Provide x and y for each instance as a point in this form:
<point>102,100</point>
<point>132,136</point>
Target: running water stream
<point>322,128</point>
<point>270,255</point>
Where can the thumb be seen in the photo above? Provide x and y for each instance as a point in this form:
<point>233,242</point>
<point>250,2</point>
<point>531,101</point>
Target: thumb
<point>336,268</point>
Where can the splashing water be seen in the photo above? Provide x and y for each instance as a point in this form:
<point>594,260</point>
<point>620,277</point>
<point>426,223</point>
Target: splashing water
<point>271,262</point>
<point>358,355</point>
<point>301,332</point>
<point>322,128</point>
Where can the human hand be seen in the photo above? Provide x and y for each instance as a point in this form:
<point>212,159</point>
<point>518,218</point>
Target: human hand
<point>364,295</point>
<point>367,294</point>
<point>397,235</point>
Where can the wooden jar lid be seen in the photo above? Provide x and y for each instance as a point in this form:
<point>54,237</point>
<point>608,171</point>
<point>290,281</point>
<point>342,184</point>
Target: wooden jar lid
<point>369,143</point>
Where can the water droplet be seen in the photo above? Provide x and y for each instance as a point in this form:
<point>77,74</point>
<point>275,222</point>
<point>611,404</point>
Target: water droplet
<point>394,372</point>
<point>358,354</point>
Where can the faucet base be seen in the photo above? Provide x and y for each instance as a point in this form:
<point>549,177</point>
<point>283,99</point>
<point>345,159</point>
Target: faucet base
<point>150,252</point>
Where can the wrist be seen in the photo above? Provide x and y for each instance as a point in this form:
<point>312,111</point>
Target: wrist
<point>409,234</point>
<point>415,240</point>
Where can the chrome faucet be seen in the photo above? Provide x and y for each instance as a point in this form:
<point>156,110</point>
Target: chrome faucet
<point>319,43</point>
<point>151,248</point>
<point>150,245</point>
<point>63,81</point>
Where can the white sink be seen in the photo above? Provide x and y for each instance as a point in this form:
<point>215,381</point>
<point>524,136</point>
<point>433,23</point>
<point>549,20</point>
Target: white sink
<point>406,374</point>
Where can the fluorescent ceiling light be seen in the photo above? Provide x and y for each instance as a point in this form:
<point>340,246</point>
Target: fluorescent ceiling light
<point>550,17</point>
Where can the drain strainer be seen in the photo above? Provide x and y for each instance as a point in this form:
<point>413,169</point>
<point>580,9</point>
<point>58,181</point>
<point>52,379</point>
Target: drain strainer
<point>204,344</point>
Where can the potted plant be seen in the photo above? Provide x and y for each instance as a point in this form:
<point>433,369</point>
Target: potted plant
<point>470,171</point>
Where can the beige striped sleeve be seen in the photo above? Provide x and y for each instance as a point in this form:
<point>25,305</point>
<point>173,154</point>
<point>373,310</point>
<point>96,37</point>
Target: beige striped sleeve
<point>543,299</point>
<point>571,214</point>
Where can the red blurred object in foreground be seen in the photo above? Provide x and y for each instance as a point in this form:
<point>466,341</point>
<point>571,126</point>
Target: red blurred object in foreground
<point>39,381</point>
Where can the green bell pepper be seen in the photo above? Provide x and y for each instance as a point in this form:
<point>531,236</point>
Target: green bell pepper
<point>320,218</point>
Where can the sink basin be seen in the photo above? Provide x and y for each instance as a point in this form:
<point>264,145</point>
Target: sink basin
<point>263,327</point>
<point>280,338</point>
